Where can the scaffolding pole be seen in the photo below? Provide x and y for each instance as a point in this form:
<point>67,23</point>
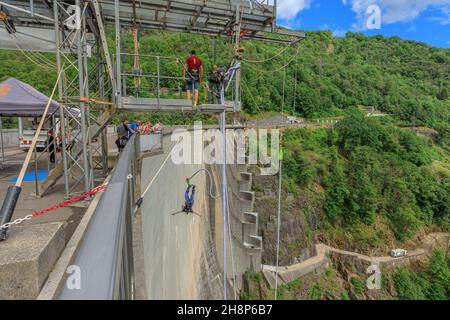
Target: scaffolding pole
<point>237,104</point>
<point>224,199</point>
<point>84,128</point>
<point>118,93</point>
<point>62,120</point>
<point>101,91</point>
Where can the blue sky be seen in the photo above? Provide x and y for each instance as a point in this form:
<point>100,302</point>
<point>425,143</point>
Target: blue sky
<point>422,20</point>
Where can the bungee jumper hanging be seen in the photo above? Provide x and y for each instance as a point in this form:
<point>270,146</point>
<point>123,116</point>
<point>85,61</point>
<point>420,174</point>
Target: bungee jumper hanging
<point>189,194</point>
<point>189,198</point>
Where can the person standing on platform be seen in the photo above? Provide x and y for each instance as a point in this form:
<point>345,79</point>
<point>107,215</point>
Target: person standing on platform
<point>192,76</point>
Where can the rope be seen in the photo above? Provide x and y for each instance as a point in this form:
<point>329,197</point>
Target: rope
<point>273,57</point>
<point>278,228</point>
<point>224,202</point>
<point>210,182</point>
<point>280,181</point>
<point>29,56</point>
<point>231,246</point>
<point>42,61</point>
<point>141,199</point>
<point>282,67</point>
<point>136,65</point>
<point>30,45</point>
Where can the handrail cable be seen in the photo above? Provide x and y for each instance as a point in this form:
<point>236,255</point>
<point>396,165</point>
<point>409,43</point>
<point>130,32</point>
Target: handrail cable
<point>141,199</point>
<point>231,246</point>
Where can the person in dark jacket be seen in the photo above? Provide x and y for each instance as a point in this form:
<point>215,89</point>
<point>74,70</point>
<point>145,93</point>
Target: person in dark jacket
<point>189,198</point>
<point>51,145</point>
<point>123,133</point>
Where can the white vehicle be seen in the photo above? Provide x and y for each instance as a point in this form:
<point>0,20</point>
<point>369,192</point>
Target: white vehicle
<point>27,130</point>
<point>399,253</point>
<point>293,120</point>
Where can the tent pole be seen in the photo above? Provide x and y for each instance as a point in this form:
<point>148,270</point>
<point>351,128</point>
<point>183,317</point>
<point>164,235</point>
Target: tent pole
<point>36,172</point>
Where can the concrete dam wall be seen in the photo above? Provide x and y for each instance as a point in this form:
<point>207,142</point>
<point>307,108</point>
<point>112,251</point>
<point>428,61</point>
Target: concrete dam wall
<point>179,253</point>
<point>245,241</point>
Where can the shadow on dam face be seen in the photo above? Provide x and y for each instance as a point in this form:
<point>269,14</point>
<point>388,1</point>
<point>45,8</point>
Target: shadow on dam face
<point>179,253</point>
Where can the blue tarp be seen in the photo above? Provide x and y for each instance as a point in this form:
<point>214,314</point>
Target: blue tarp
<point>18,99</point>
<point>31,176</point>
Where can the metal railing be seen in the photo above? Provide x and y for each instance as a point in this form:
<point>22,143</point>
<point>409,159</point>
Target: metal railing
<point>105,256</point>
<point>159,77</point>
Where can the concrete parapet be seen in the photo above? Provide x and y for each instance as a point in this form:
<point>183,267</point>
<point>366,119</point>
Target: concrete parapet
<point>150,143</point>
<point>27,258</point>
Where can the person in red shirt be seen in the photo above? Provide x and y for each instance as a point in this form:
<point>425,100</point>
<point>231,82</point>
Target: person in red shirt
<point>193,67</point>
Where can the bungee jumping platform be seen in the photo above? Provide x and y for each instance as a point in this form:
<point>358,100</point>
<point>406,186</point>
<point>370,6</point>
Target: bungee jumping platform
<point>133,104</point>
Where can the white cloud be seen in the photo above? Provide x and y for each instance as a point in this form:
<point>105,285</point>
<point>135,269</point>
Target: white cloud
<point>393,11</point>
<point>446,19</point>
<point>289,9</point>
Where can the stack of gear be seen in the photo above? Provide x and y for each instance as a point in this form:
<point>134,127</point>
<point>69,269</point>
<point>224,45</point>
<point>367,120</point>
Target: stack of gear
<point>9,24</point>
<point>215,81</point>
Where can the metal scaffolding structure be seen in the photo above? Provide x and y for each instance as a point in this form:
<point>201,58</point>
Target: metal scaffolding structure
<point>93,88</point>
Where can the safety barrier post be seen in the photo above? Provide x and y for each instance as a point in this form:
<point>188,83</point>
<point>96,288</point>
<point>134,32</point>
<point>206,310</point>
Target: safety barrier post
<point>8,207</point>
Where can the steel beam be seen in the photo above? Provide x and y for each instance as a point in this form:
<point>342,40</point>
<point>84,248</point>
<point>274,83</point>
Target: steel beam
<point>118,91</point>
<point>104,43</point>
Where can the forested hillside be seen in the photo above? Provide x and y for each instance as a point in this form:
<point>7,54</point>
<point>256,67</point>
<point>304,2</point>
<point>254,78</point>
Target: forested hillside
<point>324,76</point>
<point>370,171</point>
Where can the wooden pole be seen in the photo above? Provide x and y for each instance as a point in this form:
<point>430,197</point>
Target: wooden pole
<point>36,135</point>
